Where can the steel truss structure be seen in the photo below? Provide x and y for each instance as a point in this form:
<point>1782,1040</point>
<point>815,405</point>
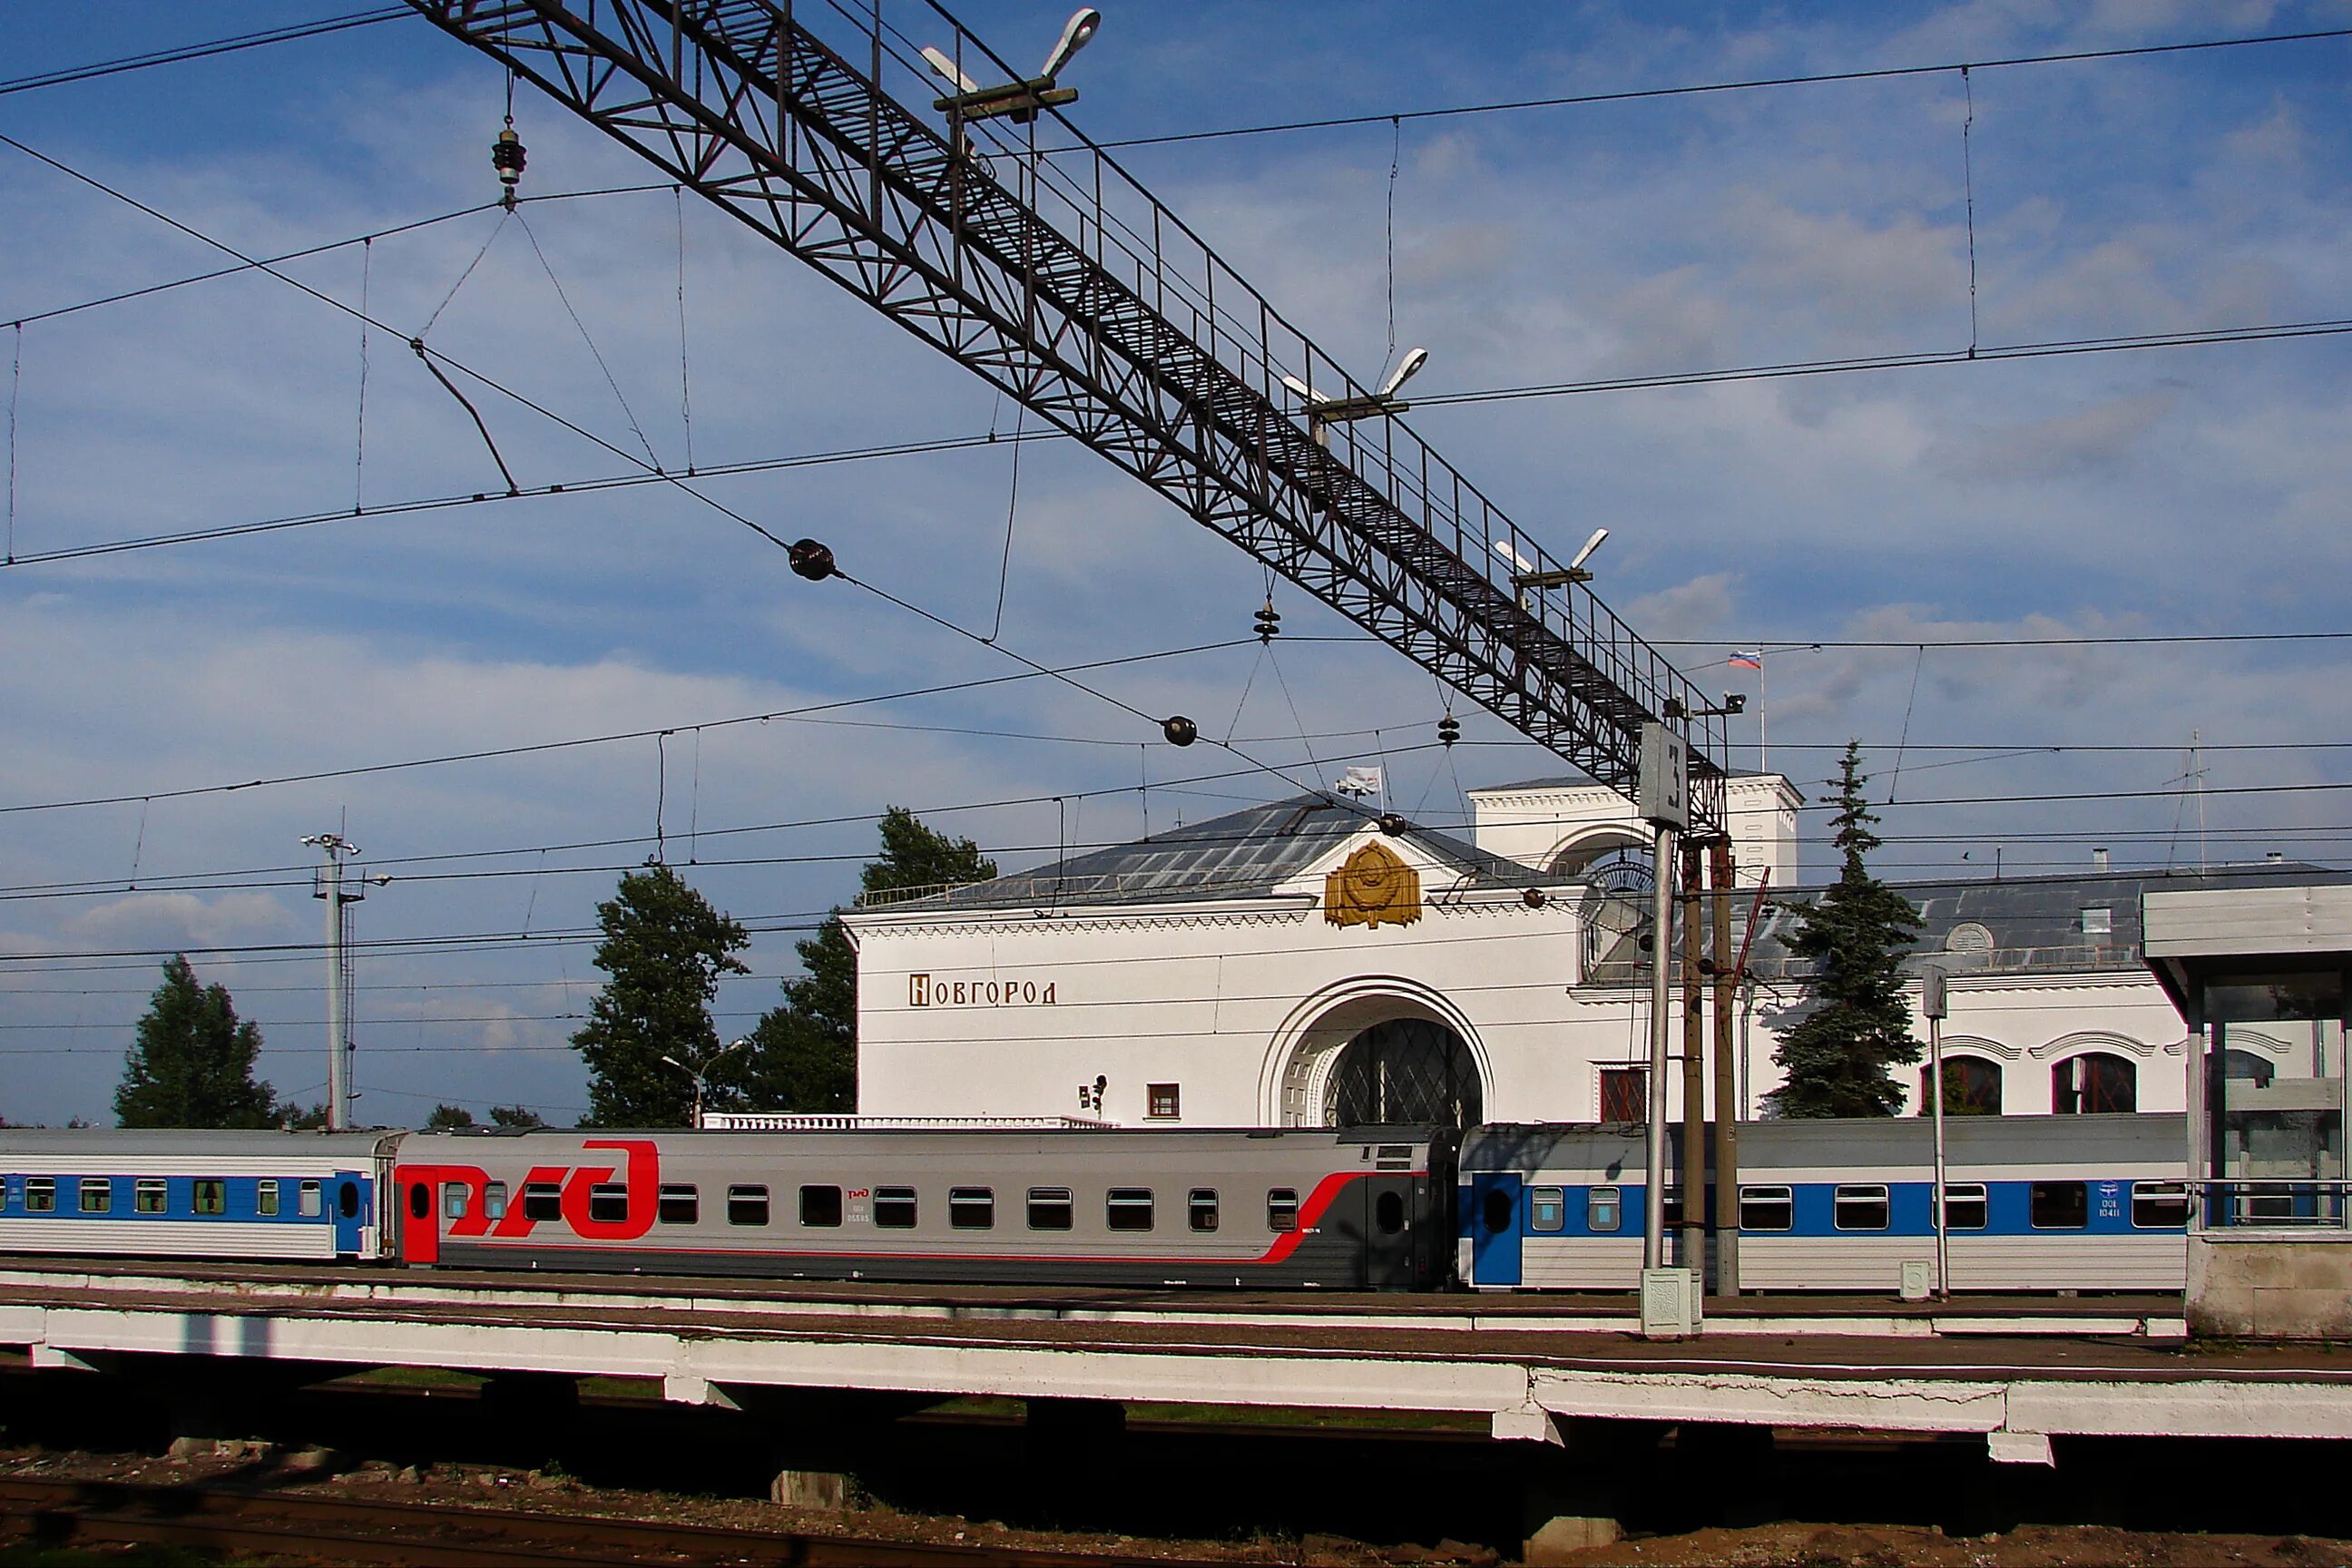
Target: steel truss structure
<point>1053,273</point>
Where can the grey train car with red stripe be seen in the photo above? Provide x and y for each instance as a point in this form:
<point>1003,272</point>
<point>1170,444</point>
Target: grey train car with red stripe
<point>1337,1208</point>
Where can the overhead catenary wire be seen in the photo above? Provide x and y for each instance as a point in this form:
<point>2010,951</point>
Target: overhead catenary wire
<point>208,49</point>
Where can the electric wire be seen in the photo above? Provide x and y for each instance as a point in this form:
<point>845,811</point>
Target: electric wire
<point>206,50</point>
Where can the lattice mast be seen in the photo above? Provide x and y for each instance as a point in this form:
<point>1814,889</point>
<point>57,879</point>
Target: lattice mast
<point>1066,285</point>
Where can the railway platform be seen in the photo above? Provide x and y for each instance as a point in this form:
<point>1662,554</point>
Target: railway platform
<point>2014,1374</point>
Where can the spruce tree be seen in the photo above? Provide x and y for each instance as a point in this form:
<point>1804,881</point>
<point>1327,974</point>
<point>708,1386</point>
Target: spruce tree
<point>1838,1061</point>
<point>193,1063</point>
<point>804,1053</point>
<point>665,948</point>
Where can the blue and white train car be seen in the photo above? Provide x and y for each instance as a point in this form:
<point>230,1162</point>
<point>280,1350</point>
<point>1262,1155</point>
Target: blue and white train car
<point>2078,1203</point>
<point>193,1194</point>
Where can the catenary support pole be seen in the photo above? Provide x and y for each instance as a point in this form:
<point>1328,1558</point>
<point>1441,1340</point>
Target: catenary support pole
<point>1693,1161</point>
<point>1661,958</point>
<point>1722,876</point>
<point>1932,1002</point>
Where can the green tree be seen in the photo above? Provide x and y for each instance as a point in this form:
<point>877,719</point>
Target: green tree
<point>519,1117</point>
<point>193,1063</point>
<point>665,948</point>
<point>804,1053</point>
<point>448,1119</point>
<point>1837,1061</point>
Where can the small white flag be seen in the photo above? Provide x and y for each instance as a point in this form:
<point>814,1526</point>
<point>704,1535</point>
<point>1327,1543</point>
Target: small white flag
<point>1360,781</point>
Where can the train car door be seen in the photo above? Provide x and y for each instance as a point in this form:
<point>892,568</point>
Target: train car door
<point>1391,1237</point>
<point>418,1215</point>
<point>1493,1227</point>
<point>347,1196</point>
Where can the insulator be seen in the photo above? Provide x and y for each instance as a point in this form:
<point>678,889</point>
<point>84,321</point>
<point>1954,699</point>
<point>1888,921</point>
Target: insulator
<point>1269,623</point>
<point>1449,729</point>
<point>1181,730</point>
<point>811,560</point>
<point>507,156</point>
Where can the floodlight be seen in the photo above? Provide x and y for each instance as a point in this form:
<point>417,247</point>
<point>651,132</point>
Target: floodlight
<point>948,69</point>
<point>1518,562</point>
<point>1407,368</point>
<point>1305,392</point>
<point>1075,33</point>
<point>1591,545</point>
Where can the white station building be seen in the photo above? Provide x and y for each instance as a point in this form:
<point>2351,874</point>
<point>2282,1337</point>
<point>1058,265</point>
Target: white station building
<point>1299,963</point>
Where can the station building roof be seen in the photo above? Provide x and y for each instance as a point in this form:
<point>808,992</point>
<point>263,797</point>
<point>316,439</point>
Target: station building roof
<point>1241,854</point>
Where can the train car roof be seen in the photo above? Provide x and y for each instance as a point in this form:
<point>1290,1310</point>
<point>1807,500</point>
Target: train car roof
<point>172,1141</point>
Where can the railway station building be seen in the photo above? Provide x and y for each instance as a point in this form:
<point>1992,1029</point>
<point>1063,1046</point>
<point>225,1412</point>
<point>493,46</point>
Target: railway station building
<point>1307,962</point>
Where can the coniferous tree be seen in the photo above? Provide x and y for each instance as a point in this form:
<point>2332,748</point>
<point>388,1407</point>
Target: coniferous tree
<point>665,948</point>
<point>804,1053</point>
<point>1837,1061</point>
<point>193,1064</point>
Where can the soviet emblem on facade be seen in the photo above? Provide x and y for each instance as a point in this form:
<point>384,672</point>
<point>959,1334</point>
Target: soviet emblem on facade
<point>1372,885</point>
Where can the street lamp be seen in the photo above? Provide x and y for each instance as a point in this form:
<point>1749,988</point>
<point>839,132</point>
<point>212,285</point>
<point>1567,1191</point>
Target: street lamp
<point>701,1076</point>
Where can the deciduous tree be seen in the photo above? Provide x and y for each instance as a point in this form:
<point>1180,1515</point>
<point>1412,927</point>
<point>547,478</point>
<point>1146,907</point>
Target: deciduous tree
<point>804,1052</point>
<point>665,948</point>
<point>191,1065</point>
<point>1838,1061</point>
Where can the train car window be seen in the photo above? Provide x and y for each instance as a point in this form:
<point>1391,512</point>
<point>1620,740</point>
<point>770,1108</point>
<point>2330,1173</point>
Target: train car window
<point>149,1197</point>
<point>1388,1213</point>
<point>1547,1209</point>
<point>894,1209</point>
<point>1768,1208</point>
<point>1862,1207</point>
<point>821,1207</point>
<point>971,1208</point>
<point>2159,1205</point>
<point>1605,1209</point>
<point>307,1202</point>
<point>1500,1210</point>
<point>40,1195</point>
<point>1201,1208</point>
<point>2059,1206</point>
<point>542,1200</point>
<point>494,1200</point>
<point>1128,1208</point>
<point>96,1195</point>
<point>747,1206</point>
<point>2265,1200</point>
<point>1050,1208</point>
<point>452,1200</point>
<point>608,1202</point>
<point>1966,1207</point>
<point>264,1197</point>
<point>420,1201</point>
<point>681,1204</point>
<point>211,1196</point>
<point>1282,1209</point>
<point>347,1199</point>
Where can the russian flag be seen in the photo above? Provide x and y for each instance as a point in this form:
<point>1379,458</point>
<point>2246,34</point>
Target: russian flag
<point>1739,660</point>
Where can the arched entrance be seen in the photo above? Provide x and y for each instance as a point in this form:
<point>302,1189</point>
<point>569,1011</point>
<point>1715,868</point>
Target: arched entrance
<point>1406,1069</point>
<point>1375,1049</point>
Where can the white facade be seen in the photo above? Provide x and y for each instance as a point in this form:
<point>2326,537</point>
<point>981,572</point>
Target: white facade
<point>1229,1002</point>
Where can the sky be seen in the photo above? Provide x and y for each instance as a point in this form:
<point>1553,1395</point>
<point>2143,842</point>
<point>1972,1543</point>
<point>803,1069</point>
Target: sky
<point>2028,506</point>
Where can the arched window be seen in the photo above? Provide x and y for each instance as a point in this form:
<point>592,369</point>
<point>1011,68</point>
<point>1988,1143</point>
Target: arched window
<point>2094,1083</point>
<point>1405,1070</point>
<point>2257,1070</point>
<point>1971,1087</point>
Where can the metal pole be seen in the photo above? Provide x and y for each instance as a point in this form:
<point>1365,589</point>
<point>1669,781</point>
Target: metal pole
<point>338,1089</point>
<point>1722,874</point>
<point>1932,1003</point>
<point>1661,925</point>
<point>1694,1161</point>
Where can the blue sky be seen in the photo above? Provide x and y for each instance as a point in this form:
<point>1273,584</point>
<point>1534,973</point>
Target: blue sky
<point>2195,491</point>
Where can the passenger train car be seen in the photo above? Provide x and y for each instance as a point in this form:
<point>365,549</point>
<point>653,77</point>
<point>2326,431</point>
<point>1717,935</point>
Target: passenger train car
<point>1366,1208</point>
<point>2092,1203</point>
<point>192,1194</point>
<point>2088,1202</point>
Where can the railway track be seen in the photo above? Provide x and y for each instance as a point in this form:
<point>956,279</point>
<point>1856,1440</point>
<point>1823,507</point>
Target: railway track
<point>86,1513</point>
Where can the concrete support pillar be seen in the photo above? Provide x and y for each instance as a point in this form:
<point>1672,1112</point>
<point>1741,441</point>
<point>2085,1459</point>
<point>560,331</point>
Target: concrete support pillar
<point>1571,1497</point>
<point>828,1489</point>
